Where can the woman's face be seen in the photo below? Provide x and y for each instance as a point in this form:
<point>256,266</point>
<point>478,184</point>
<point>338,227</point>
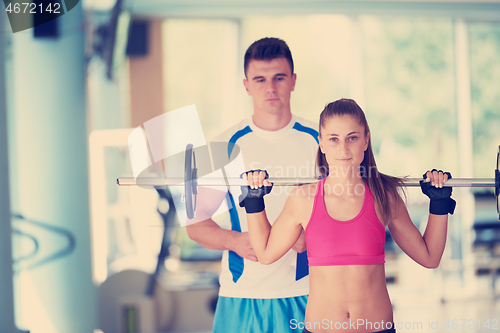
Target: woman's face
<point>343,141</point>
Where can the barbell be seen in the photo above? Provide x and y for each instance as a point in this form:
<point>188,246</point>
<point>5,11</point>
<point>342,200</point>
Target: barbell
<point>191,182</point>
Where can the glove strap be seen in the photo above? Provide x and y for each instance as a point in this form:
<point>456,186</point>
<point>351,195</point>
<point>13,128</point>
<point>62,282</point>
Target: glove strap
<point>442,206</point>
<point>253,205</point>
<point>253,199</point>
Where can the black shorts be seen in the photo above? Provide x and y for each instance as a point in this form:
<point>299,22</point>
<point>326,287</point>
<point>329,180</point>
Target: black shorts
<point>390,330</point>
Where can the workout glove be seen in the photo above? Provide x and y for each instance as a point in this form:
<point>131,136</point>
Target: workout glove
<point>441,201</point>
<point>253,199</point>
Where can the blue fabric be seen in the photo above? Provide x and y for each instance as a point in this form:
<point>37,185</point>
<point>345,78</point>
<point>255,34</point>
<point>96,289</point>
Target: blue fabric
<point>236,136</point>
<point>248,315</point>
<point>301,128</point>
<point>236,263</point>
<point>302,267</point>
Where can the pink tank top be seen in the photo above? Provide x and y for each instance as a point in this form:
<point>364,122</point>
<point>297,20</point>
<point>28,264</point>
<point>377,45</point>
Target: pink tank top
<point>359,241</point>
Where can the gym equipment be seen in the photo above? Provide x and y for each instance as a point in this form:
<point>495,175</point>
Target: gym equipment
<point>191,182</point>
<point>182,302</point>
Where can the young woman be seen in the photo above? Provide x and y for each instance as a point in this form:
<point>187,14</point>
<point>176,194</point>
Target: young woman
<point>344,216</point>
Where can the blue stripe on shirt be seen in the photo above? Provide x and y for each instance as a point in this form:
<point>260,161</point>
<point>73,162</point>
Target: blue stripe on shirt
<point>236,263</point>
<point>236,136</point>
<point>301,128</point>
<point>302,266</point>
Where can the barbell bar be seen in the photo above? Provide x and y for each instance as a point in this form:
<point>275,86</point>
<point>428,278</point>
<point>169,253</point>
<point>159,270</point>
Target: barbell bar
<point>190,181</point>
<point>279,181</point>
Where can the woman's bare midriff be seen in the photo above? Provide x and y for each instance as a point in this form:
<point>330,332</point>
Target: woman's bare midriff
<point>350,298</point>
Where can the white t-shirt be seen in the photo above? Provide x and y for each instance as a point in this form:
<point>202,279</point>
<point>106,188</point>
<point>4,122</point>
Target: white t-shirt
<point>288,152</point>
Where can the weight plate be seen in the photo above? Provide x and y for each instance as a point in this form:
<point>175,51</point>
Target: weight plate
<point>189,171</point>
<point>194,183</point>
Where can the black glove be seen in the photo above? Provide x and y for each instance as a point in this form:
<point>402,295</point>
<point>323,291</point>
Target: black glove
<point>441,201</point>
<point>253,199</point>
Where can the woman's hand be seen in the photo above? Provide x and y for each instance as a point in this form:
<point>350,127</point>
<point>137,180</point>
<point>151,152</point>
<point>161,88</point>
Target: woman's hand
<point>432,186</point>
<point>252,196</point>
<point>436,178</point>
<point>269,243</point>
<point>256,178</point>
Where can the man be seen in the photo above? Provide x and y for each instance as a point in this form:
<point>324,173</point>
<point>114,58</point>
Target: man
<point>255,297</point>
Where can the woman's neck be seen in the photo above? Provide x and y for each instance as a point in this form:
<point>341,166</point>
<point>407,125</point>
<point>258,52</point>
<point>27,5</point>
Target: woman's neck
<point>345,181</point>
<point>345,174</point>
<point>344,186</point>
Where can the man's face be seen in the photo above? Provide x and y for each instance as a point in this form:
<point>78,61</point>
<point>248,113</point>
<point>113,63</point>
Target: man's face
<point>270,84</point>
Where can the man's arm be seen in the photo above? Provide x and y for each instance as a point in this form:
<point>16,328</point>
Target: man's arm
<point>203,229</point>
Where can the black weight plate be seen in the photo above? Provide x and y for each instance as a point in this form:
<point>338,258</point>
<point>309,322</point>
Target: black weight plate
<point>189,171</point>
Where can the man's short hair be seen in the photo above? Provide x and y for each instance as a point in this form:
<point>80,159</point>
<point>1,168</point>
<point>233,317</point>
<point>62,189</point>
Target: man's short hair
<point>268,48</point>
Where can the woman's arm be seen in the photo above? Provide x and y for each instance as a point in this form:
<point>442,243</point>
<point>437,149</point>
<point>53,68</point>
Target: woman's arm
<point>209,234</point>
<point>271,243</point>
<point>428,249</point>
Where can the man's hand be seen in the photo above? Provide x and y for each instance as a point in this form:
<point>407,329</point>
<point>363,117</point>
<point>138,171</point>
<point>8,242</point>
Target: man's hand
<point>243,247</point>
<point>300,244</point>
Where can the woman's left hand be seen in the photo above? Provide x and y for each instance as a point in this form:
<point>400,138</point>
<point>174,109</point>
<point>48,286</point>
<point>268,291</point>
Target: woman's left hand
<point>441,202</point>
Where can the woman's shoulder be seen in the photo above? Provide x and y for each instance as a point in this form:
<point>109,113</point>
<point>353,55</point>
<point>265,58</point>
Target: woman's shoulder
<point>395,204</point>
<point>301,201</point>
<point>306,191</point>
